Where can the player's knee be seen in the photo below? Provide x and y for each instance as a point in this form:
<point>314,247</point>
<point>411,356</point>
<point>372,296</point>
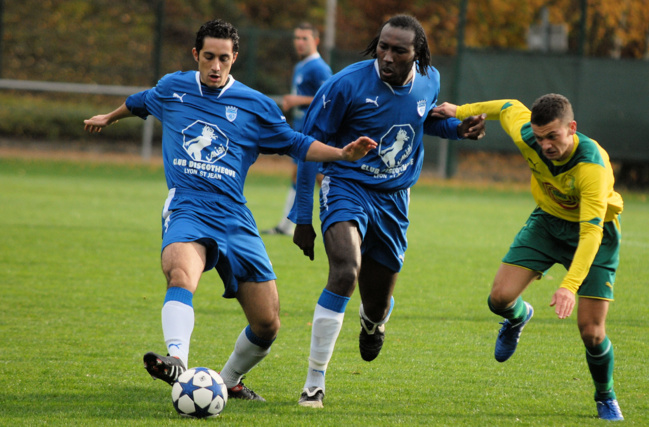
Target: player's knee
<point>592,335</point>
<point>266,328</point>
<point>498,300</point>
<point>178,278</point>
<point>342,278</point>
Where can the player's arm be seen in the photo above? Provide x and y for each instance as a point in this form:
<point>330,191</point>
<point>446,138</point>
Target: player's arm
<point>592,210</point>
<point>290,101</point>
<point>97,123</point>
<point>355,150</point>
<point>511,113</point>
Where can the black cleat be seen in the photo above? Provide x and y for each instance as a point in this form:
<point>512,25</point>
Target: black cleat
<point>240,391</point>
<point>370,340</point>
<point>165,368</point>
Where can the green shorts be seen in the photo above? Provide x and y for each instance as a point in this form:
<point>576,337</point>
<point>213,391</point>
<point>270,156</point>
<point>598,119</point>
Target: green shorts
<point>546,240</point>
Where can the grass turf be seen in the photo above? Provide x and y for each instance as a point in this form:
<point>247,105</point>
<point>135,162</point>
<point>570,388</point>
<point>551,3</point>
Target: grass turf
<point>82,292</point>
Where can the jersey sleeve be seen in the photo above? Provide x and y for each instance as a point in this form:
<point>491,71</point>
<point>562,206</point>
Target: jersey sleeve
<point>302,210</point>
<point>513,115</point>
<point>276,136</point>
<point>323,118</point>
<point>443,128</point>
<point>149,102</point>
<point>591,181</point>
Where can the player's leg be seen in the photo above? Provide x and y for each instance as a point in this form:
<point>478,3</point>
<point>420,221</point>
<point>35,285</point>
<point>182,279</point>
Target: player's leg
<point>505,300</point>
<point>182,264</point>
<point>342,243</point>
<point>285,225</point>
<point>591,319</point>
<point>375,283</point>
<point>260,303</point>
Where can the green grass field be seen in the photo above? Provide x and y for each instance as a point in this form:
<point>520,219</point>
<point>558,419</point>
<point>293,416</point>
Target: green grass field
<point>82,292</point>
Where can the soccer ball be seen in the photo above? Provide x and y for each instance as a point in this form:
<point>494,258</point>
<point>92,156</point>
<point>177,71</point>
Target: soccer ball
<point>199,393</point>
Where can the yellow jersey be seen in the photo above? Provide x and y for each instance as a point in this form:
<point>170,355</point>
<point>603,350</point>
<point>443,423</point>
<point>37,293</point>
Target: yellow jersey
<point>578,189</point>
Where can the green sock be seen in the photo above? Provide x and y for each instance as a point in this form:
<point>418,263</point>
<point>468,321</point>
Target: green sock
<point>600,362</point>
<point>515,313</point>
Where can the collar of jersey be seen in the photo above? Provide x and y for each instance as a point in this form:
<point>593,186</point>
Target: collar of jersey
<point>412,82</point>
<point>222,89</point>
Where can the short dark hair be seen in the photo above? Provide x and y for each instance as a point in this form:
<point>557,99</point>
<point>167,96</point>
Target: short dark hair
<point>550,107</point>
<point>422,52</point>
<point>308,26</point>
<point>217,29</point>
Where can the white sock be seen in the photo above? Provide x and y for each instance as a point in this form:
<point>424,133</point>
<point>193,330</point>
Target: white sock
<point>177,327</point>
<point>326,327</point>
<point>246,355</point>
<point>286,225</point>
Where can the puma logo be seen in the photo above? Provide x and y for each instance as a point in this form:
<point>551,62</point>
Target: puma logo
<point>179,96</point>
<point>374,101</point>
<point>325,102</point>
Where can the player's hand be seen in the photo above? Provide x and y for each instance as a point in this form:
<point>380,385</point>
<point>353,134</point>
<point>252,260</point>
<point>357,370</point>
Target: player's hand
<point>563,302</point>
<point>97,123</point>
<point>358,149</point>
<point>288,102</point>
<point>443,111</point>
<point>304,237</point>
<point>472,127</point>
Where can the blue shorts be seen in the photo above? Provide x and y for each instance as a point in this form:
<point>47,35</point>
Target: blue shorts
<point>226,229</point>
<point>381,217</point>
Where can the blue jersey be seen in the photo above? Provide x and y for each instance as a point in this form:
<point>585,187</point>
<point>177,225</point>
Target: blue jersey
<point>308,75</point>
<point>211,137</point>
<point>356,102</point>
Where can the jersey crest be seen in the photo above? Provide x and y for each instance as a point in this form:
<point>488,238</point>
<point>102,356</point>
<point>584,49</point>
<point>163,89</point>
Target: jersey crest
<point>396,145</point>
<point>421,107</point>
<point>204,142</point>
<point>230,113</point>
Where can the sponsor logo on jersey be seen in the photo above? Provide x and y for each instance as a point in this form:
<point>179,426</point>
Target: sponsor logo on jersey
<point>396,145</point>
<point>179,96</point>
<point>565,201</point>
<point>205,142</point>
<point>421,107</point>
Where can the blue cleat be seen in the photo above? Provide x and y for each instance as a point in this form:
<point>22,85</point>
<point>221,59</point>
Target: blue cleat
<point>509,335</point>
<point>608,409</point>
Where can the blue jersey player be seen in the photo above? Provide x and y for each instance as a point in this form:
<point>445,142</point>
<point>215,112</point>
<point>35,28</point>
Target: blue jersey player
<point>308,75</point>
<point>214,128</point>
<point>364,204</point>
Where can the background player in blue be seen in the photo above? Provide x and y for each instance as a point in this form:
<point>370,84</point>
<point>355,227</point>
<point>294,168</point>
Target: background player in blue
<point>364,204</point>
<point>309,74</point>
<point>214,128</point>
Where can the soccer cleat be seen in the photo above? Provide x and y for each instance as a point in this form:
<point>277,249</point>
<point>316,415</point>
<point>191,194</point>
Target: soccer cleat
<point>165,368</point>
<point>608,409</point>
<point>276,230</point>
<point>311,397</point>
<point>240,391</point>
<point>509,335</point>
<point>370,340</point>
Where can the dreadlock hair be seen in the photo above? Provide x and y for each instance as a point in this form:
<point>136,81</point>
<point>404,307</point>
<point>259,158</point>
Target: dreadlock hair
<point>407,22</point>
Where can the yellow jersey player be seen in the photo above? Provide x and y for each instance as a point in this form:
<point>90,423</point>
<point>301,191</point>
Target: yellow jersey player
<point>576,223</point>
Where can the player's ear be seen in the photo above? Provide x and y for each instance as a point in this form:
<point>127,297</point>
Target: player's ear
<point>572,126</point>
<point>234,56</point>
<point>195,53</point>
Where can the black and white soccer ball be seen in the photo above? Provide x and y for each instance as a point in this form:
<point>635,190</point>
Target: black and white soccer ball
<point>199,393</point>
